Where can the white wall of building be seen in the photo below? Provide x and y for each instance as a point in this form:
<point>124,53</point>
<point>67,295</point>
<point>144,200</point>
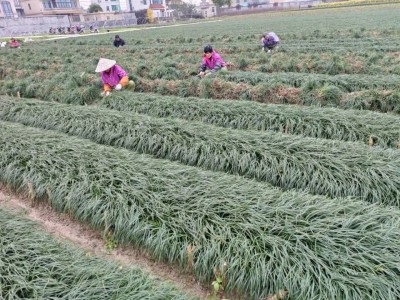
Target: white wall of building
<point>124,4</point>
<point>85,3</point>
<point>110,5</point>
<point>140,4</point>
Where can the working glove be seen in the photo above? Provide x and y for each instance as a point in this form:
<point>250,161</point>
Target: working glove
<point>104,93</point>
<point>118,87</point>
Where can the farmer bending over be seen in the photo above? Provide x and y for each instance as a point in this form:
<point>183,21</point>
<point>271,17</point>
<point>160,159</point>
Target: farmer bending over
<point>269,41</point>
<point>112,75</point>
<point>212,62</point>
<point>118,42</point>
<point>14,43</point>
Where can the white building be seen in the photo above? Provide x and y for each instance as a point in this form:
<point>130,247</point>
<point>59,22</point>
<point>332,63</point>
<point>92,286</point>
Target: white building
<point>85,4</point>
<point>207,8</point>
<point>159,7</point>
<point>121,5</point>
<point>109,5</point>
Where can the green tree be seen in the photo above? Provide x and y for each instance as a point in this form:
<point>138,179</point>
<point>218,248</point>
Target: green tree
<point>184,9</point>
<point>94,8</point>
<point>141,16</point>
<point>220,3</point>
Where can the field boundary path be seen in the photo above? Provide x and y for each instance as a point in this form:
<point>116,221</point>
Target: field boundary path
<point>60,37</point>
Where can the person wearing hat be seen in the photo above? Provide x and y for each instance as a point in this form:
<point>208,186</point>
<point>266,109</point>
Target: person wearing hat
<point>212,62</point>
<point>269,41</point>
<point>118,42</point>
<point>112,75</point>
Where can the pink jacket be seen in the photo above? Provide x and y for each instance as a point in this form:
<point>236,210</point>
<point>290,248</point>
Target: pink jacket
<point>114,76</point>
<point>214,63</point>
<point>15,44</point>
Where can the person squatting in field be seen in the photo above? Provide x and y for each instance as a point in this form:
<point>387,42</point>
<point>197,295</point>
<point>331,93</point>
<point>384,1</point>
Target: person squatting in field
<point>269,41</point>
<point>118,42</point>
<point>112,75</point>
<point>212,62</point>
<point>14,43</point>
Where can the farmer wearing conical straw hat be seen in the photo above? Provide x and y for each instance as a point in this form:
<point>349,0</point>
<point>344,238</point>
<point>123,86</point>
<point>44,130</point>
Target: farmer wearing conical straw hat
<point>112,75</point>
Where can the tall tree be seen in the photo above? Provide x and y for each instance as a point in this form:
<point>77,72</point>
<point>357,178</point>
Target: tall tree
<point>94,8</point>
<point>184,9</point>
<point>141,16</point>
<point>220,3</point>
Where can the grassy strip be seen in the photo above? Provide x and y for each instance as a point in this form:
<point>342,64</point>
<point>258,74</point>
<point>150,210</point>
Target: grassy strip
<point>315,247</point>
<point>277,93</point>
<point>287,88</point>
<point>316,122</point>
<point>35,266</point>
<point>323,167</point>
<point>347,3</point>
<point>347,82</point>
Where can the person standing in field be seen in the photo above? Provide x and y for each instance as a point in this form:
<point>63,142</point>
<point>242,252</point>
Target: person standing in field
<point>269,41</point>
<point>211,63</point>
<point>112,75</point>
<point>118,42</point>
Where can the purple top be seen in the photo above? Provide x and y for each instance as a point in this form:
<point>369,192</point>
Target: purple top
<point>271,40</point>
<point>114,76</point>
<point>213,61</point>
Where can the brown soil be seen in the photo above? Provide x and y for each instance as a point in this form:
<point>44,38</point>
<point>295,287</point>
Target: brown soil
<point>63,227</point>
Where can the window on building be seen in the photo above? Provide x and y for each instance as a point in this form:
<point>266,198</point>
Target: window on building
<point>108,8</point>
<point>51,4</point>
<point>7,10</point>
<point>212,9</point>
<point>144,2</point>
<point>30,8</point>
<point>157,1</point>
<point>115,7</point>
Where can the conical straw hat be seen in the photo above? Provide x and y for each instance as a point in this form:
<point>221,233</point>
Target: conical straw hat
<point>104,64</point>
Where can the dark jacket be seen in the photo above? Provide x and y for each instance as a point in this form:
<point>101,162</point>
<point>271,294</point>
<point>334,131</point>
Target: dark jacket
<point>119,43</point>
